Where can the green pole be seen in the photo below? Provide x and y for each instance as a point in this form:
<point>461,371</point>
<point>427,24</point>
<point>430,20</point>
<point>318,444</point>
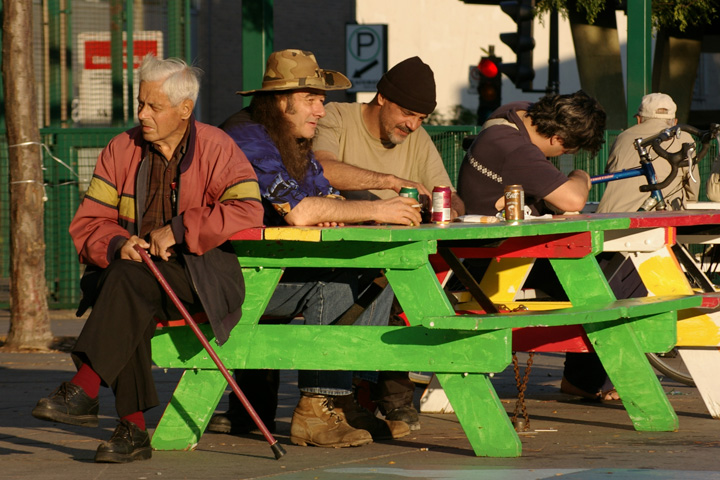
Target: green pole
<point>187,32</point>
<point>175,43</point>
<point>130,62</point>
<point>71,47</point>
<point>55,65</point>
<point>639,47</point>
<point>116,61</point>
<point>3,154</point>
<point>257,42</point>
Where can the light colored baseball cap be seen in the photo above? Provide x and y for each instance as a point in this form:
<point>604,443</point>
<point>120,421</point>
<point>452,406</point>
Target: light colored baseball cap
<point>657,105</point>
<point>296,69</point>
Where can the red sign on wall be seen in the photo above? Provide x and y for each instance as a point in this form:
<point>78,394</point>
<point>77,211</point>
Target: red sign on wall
<point>97,53</point>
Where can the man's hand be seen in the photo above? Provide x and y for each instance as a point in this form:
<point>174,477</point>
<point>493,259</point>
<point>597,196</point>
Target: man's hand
<point>582,174</point>
<point>397,210</point>
<point>127,251</point>
<point>330,224</point>
<point>396,183</point>
<point>571,195</point>
<point>161,242</point>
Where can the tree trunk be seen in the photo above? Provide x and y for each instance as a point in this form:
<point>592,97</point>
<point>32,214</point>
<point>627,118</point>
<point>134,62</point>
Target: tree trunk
<point>675,69</point>
<point>29,321</point>
<point>597,50</point>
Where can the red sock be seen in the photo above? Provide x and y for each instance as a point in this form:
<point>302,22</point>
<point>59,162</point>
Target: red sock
<point>88,380</point>
<point>137,418</point>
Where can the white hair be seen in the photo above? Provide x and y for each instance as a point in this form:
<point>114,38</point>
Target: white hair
<point>180,81</point>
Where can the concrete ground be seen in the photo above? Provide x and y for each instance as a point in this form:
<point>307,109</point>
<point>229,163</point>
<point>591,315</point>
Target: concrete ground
<point>567,438</point>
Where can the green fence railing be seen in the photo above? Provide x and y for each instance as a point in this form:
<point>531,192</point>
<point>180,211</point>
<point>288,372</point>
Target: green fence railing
<point>78,148</point>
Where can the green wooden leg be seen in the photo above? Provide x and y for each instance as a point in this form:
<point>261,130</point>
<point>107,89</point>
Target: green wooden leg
<point>189,411</point>
<point>618,349</point>
<point>260,284</point>
<point>481,414</point>
<point>472,395</point>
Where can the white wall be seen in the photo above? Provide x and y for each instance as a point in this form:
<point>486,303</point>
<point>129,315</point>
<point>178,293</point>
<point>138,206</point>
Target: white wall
<point>449,34</point>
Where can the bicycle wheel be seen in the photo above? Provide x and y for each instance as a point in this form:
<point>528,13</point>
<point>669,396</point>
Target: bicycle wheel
<point>672,366</point>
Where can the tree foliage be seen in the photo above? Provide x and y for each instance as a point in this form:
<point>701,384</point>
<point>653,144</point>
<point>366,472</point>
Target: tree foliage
<point>672,14</point>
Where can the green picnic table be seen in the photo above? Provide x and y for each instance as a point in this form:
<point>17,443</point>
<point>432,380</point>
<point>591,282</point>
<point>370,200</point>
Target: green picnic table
<point>461,349</point>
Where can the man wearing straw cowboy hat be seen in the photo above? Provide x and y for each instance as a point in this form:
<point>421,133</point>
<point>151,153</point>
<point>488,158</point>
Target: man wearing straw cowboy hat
<point>179,189</point>
<point>276,133</point>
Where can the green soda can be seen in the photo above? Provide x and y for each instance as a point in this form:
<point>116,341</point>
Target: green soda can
<point>410,192</point>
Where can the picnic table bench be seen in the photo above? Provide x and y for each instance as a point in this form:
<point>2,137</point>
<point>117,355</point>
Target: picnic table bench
<point>462,350</point>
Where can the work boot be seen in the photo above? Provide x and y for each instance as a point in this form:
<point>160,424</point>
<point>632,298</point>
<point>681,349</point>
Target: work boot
<point>68,404</point>
<point>407,414</point>
<point>315,422</point>
<point>358,417</point>
<point>127,443</point>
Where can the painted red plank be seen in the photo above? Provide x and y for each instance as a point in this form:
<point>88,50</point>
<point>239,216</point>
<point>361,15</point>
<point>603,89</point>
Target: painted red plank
<point>561,245</point>
<point>249,234</point>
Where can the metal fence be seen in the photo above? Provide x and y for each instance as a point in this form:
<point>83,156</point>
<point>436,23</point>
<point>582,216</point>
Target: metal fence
<point>74,148</point>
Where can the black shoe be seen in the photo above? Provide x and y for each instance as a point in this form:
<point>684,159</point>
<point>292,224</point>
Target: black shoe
<point>128,443</point>
<point>68,404</point>
<point>407,414</point>
<point>236,423</point>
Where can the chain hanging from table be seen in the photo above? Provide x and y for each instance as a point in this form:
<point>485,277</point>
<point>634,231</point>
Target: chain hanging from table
<point>521,425</point>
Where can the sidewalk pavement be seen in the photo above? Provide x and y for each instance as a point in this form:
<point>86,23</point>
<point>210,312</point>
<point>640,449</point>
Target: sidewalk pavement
<point>567,438</point>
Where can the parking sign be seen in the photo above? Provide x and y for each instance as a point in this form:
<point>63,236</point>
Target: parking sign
<point>366,55</point>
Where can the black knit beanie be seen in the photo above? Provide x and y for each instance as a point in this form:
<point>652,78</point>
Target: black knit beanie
<point>410,84</point>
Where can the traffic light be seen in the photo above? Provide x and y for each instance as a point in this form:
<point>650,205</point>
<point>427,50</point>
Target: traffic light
<point>490,86</point>
<point>522,43</point>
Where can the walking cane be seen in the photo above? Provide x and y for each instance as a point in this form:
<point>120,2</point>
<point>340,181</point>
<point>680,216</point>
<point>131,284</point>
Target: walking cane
<point>277,449</point>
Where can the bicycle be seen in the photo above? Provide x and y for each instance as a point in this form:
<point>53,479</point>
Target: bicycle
<point>669,364</point>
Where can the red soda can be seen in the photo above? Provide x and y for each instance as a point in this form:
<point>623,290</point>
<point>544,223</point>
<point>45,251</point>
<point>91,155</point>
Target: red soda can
<point>441,204</point>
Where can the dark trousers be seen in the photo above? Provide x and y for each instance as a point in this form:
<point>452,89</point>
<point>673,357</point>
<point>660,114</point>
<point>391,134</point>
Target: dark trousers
<point>584,370</point>
<point>115,340</point>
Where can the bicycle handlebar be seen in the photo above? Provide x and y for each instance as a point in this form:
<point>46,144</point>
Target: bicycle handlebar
<point>677,159</point>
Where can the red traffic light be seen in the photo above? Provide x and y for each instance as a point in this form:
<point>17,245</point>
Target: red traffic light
<point>488,68</point>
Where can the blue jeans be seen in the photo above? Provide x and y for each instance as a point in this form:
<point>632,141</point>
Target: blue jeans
<point>322,295</point>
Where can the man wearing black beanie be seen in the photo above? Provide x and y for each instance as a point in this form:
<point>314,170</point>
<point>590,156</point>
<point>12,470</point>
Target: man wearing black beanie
<point>379,147</point>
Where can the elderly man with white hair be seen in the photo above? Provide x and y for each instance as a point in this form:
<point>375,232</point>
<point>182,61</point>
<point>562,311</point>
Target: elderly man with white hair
<point>180,189</point>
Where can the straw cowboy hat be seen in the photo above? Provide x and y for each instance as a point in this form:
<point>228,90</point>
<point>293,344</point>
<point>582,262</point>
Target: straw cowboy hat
<point>296,69</point>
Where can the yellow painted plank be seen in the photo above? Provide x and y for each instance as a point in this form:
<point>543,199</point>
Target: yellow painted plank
<point>696,329</point>
<point>530,305</point>
<point>505,277</point>
<point>661,273</point>
<point>303,234</point>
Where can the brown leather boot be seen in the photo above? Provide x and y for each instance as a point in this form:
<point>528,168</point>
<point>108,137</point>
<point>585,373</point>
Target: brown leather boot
<point>315,422</point>
<point>359,417</point>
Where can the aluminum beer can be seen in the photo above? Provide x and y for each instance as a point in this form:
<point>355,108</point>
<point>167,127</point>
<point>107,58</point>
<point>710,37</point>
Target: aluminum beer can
<point>410,192</point>
<point>441,204</point>
<point>514,202</point>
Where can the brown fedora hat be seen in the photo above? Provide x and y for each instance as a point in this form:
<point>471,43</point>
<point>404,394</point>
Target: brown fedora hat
<point>296,69</point>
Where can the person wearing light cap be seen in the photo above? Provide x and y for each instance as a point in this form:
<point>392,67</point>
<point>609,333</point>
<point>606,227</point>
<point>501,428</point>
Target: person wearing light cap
<point>655,113</point>
<point>275,133</point>
<point>375,149</point>
<point>584,374</point>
